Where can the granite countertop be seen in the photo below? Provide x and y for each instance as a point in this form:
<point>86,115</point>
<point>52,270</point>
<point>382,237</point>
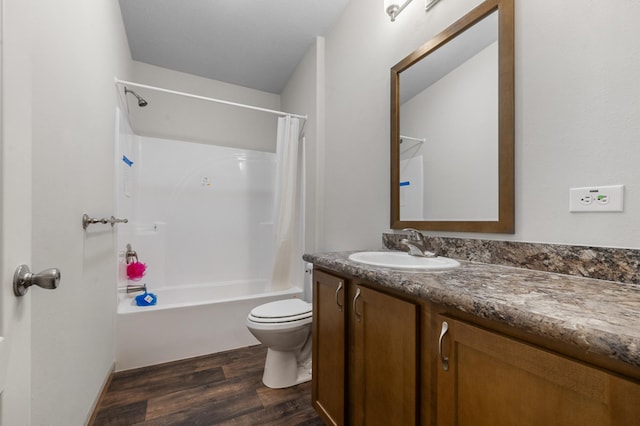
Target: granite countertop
<point>599,316</point>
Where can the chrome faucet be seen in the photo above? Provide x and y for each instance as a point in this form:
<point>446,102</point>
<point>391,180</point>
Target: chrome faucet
<point>416,243</point>
<point>133,288</point>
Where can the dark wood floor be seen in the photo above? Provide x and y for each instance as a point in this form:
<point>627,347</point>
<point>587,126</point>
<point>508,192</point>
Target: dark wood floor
<point>219,389</point>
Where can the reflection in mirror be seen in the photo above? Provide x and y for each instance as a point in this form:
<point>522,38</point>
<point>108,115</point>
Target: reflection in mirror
<point>452,127</point>
<point>452,86</point>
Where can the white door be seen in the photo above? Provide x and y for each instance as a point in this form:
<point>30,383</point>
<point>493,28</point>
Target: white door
<point>15,210</point>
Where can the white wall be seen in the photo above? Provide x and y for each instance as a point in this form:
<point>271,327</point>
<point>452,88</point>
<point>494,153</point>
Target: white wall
<point>303,94</point>
<point>78,49</point>
<point>458,117</point>
<point>577,117</point>
<point>175,117</point>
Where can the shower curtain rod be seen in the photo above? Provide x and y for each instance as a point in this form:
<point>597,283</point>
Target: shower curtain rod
<point>409,138</point>
<point>204,98</point>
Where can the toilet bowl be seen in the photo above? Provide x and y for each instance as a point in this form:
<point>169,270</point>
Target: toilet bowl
<point>284,327</point>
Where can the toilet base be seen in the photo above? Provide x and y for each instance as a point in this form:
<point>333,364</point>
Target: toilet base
<point>282,369</point>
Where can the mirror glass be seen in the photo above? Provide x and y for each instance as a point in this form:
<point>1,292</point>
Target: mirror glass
<point>438,155</point>
<point>452,128</point>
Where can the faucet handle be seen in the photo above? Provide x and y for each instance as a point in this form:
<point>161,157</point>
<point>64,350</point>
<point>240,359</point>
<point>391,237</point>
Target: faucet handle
<point>414,234</point>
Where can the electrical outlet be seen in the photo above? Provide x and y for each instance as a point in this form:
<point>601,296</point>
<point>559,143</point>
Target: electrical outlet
<point>597,199</point>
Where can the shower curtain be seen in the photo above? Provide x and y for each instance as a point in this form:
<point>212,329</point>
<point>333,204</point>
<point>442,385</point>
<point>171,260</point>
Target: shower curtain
<point>286,222</point>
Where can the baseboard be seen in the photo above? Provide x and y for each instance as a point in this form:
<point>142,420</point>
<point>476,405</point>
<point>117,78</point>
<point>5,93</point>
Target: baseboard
<point>96,403</point>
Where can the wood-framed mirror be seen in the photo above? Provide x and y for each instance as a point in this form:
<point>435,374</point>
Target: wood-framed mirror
<point>452,127</point>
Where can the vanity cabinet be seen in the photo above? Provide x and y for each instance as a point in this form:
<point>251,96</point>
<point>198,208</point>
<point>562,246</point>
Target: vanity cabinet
<point>365,352</point>
<point>383,358</point>
<point>485,378</point>
<point>328,348</point>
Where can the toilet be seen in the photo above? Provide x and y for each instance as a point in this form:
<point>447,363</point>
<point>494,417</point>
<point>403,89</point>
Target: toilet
<point>284,327</point>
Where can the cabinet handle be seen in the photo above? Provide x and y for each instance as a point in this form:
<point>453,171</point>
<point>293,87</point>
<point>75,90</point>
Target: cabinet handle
<point>338,297</point>
<point>355,299</point>
<point>443,359</point>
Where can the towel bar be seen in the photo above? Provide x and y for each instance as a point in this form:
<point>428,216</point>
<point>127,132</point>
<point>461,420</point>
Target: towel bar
<point>86,221</point>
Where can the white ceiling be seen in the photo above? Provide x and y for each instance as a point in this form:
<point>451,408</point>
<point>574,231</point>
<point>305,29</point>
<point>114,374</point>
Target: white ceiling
<point>453,54</point>
<point>251,43</point>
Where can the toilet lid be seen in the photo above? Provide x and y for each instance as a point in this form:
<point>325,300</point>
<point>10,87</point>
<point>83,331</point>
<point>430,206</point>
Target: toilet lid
<point>281,311</point>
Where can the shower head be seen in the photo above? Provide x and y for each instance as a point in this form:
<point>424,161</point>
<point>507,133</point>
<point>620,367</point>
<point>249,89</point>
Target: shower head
<point>141,101</point>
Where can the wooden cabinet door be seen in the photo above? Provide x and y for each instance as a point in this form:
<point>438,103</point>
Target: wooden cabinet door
<point>495,380</point>
<point>328,358</point>
<point>384,359</point>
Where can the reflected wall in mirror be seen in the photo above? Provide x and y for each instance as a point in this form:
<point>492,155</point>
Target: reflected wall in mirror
<point>452,118</point>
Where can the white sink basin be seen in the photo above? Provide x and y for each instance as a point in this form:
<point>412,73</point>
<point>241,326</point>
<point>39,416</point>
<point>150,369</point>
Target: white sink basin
<point>398,259</point>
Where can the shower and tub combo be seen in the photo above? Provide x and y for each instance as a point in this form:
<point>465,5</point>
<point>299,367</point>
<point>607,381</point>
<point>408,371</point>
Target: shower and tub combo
<point>208,223</point>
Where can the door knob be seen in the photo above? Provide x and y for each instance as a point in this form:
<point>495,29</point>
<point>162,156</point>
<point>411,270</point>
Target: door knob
<point>23,279</point>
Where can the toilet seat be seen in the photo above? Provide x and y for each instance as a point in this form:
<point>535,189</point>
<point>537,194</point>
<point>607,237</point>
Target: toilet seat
<point>281,311</point>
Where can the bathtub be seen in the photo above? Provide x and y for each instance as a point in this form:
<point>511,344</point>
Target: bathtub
<point>189,320</point>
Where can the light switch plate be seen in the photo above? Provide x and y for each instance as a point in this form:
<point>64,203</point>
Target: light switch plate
<point>597,199</point>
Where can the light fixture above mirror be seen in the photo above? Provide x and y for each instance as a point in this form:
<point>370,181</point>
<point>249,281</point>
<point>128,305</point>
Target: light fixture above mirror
<point>394,7</point>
